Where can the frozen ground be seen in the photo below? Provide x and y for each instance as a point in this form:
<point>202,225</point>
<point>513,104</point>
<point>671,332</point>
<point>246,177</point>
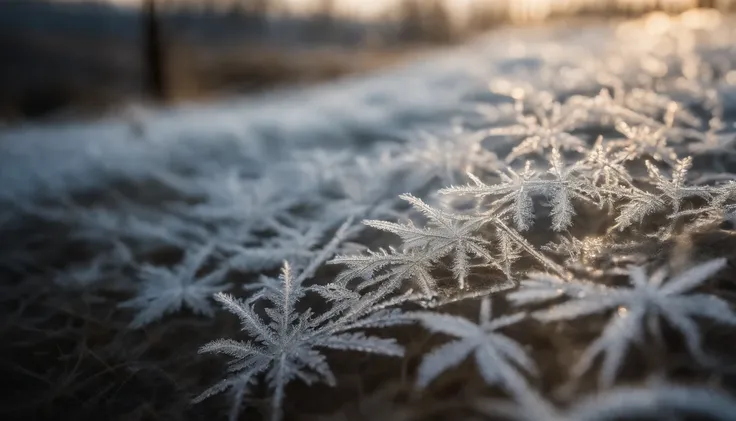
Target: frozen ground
<point>578,179</point>
<point>428,94</point>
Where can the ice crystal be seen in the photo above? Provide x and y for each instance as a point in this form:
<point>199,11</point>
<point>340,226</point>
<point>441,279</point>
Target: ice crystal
<point>496,356</point>
<point>518,189</point>
<point>390,266</point>
<point>446,235</point>
<point>165,290</point>
<point>546,129</point>
<point>636,309</point>
<point>448,158</point>
<point>670,197</point>
<point>515,191</point>
<point>662,401</point>
<point>644,142</point>
<point>286,345</point>
<point>604,168</point>
<point>628,146</point>
<point>605,110</point>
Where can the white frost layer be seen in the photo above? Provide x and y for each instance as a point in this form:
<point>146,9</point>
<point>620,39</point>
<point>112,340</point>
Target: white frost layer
<point>42,159</point>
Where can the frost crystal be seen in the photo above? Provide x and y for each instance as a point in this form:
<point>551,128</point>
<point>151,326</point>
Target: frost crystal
<point>285,346</point>
<point>495,354</point>
<point>556,159</point>
<point>636,309</point>
<point>447,234</point>
<point>166,290</point>
<point>546,130</point>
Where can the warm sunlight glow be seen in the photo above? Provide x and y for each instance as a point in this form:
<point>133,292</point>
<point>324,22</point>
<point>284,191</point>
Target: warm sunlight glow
<point>460,11</point>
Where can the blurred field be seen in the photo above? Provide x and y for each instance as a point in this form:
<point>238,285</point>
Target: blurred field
<point>52,77</point>
<point>75,58</point>
<point>62,59</point>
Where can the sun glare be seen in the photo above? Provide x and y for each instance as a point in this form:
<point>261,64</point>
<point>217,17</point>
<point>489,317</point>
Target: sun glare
<point>460,11</point>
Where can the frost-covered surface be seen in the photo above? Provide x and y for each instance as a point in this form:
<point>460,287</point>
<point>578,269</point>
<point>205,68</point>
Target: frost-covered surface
<point>568,174</point>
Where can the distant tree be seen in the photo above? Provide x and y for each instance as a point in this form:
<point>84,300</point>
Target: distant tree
<point>437,23</point>
<point>410,16</point>
<point>256,7</point>
<point>425,20</point>
<point>257,15</point>
<point>486,15</point>
<point>324,22</point>
<point>236,8</point>
<point>326,8</point>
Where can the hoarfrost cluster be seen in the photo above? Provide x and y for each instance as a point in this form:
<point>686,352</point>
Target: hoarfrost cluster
<point>545,200</point>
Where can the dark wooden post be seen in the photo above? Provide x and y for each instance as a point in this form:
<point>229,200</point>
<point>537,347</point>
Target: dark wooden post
<point>153,52</point>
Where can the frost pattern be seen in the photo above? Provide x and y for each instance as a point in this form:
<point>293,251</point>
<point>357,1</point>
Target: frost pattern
<point>285,346</point>
<point>625,402</point>
<point>166,290</point>
<point>496,356</point>
<point>636,310</point>
<point>557,166</point>
<point>446,234</point>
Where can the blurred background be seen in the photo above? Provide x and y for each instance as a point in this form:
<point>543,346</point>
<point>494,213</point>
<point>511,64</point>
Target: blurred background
<point>63,58</point>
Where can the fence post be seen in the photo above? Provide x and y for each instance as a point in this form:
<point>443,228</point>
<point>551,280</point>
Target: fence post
<point>153,52</point>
